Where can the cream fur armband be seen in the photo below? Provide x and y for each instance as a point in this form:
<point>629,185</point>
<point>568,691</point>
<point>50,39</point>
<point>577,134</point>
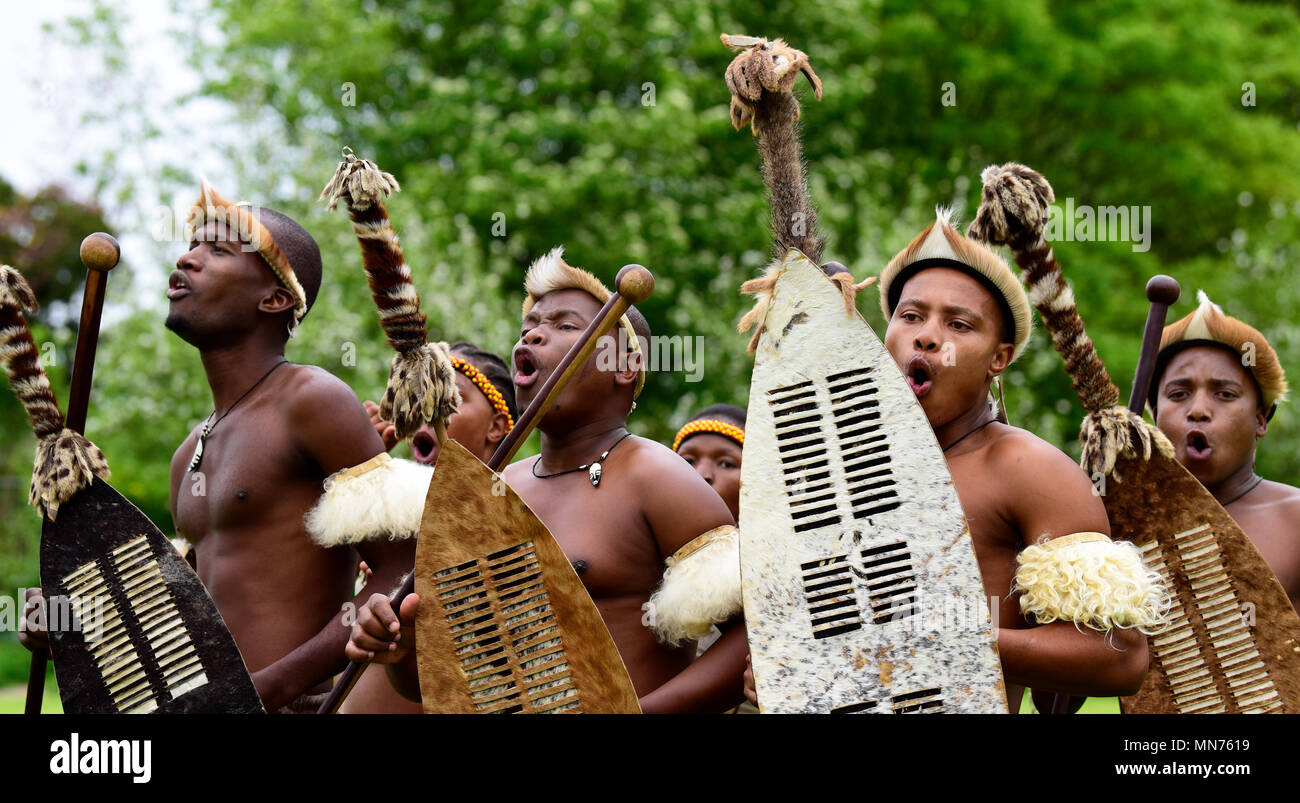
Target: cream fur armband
<point>381,498</point>
<point>700,587</point>
<point>1088,579</point>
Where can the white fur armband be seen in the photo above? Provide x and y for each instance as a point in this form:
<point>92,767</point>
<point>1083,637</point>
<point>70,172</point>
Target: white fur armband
<point>700,587</point>
<point>381,498</point>
<point>1088,579</point>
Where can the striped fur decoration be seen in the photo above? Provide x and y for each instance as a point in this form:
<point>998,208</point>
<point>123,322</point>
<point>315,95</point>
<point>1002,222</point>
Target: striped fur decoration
<point>1014,211</point>
<point>422,381</point>
<point>65,461</point>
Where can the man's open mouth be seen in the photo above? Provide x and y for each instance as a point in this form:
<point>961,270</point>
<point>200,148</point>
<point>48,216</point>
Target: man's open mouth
<point>527,370</point>
<point>1198,445</point>
<point>178,286</point>
<point>424,446</point>
<point>920,376</point>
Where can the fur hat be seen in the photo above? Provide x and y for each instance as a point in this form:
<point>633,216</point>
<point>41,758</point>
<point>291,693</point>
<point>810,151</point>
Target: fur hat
<point>240,219</point>
<point>940,246</point>
<point>1208,325</point>
<point>550,273</point>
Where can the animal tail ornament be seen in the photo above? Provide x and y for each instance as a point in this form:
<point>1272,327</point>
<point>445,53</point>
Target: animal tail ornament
<point>65,461</point>
<point>1014,212</point>
<point>422,381</point>
<point>761,80</point>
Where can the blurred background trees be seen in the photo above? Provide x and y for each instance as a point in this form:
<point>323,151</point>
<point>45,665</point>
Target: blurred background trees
<point>602,126</point>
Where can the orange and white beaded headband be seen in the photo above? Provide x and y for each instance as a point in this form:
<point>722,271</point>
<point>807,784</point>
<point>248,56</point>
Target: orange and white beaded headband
<point>482,383</point>
<point>712,426</point>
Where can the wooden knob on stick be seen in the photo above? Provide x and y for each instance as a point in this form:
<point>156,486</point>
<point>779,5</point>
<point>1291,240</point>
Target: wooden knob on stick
<point>635,283</point>
<point>100,252</point>
<point>1163,289</point>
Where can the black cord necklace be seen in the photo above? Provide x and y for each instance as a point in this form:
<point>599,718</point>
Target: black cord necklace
<point>207,428</point>
<point>968,434</point>
<point>1252,487</point>
<point>593,468</point>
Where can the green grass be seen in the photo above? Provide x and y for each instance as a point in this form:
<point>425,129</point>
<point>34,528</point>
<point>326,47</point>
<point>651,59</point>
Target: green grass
<point>12,698</point>
<point>1093,705</point>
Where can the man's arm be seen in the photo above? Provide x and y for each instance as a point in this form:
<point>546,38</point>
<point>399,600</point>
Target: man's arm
<point>330,428</point>
<point>1052,496</point>
<point>683,507</point>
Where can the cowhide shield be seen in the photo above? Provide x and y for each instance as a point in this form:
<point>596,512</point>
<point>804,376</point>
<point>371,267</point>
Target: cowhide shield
<point>504,624</point>
<point>132,629</point>
<point>1234,642</point>
<point>861,589</point>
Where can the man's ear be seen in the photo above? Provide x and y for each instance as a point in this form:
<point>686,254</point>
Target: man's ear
<point>278,300</point>
<point>498,429</point>
<point>1261,422</point>
<point>1001,359</point>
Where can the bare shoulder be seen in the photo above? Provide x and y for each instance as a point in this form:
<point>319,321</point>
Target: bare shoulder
<point>1284,498</point>
<point>678,504</point>
<point>1029,459</point>
<point>308,387</point>
<point>654,465</point>
<point>326,419</point>
<point>1049,494</point>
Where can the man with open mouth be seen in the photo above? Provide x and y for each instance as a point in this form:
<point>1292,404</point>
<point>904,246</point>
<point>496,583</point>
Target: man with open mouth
<point>1216,386</point>
<point>957,318</point>
<point>242,481</point>
<point>618,505</point>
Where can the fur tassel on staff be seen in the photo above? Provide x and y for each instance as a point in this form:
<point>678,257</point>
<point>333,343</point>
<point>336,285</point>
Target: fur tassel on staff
<point>422,381</point>
<point>761,80</point>
<point>1013,212</point>
<point>65,461</point>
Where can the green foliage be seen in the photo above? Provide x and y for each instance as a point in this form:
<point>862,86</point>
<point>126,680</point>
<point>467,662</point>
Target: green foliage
<point>602,126</point>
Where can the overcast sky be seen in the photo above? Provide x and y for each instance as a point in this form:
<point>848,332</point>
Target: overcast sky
<point>47,88</point>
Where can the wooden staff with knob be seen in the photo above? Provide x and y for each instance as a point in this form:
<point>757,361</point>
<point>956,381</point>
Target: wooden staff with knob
<point>100,254</point>
<point>1163,292</point>
<point>633,286</point>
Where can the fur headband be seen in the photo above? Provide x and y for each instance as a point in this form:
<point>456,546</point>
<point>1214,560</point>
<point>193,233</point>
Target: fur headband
<point>941,245</point>
<point>1209,323</point>
<point>551,273</point>
<point>240,219</point>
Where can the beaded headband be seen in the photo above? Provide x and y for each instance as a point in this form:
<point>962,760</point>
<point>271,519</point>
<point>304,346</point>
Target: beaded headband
<point>712,426</point>
<point>482,383</point>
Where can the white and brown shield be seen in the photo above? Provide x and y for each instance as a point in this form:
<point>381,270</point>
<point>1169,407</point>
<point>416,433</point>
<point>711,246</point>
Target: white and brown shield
<point>861,588</point>
<point>505,625</point>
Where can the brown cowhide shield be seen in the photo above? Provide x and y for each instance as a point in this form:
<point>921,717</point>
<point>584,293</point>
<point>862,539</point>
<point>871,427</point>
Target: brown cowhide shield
<point>1233,645</point>
<point>504,625</point>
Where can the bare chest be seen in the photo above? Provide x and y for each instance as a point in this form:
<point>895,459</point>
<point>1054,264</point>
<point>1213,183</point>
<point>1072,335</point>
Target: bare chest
<point>245,475</point>
<point>600,529</point>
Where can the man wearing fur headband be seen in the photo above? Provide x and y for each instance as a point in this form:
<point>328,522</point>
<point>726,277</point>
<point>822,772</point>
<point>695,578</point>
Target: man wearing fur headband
<point>243,480</point>
<point>957,318</point>
<point>618,505</point>
<point>1216,386</point>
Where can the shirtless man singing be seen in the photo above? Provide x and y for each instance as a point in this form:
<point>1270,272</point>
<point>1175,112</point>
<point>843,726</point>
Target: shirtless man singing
<point>648,504</point>
<point>242,481</point>
<point>1216,386</point>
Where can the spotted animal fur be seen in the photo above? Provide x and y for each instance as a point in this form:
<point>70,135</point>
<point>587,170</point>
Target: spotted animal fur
<point>65,461</point>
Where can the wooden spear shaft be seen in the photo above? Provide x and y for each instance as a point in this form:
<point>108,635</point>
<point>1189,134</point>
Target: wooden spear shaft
<point>100,254</point>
